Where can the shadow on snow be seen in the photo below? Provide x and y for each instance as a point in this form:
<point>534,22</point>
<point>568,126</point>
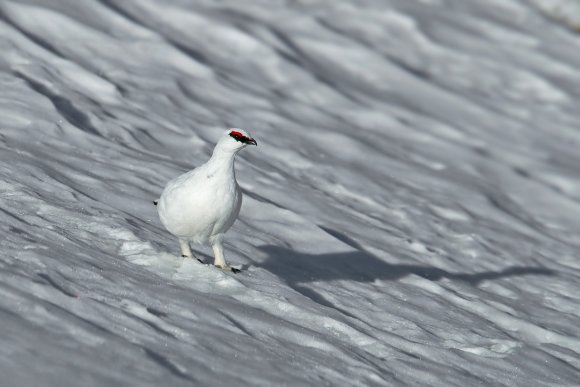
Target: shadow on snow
<point>297,268</point>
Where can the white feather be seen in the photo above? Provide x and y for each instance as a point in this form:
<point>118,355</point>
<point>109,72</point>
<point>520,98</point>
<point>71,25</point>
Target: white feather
<point>202,204</point>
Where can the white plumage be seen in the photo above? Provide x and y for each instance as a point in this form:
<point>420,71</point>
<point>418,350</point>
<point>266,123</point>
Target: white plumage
<point>202,204</point>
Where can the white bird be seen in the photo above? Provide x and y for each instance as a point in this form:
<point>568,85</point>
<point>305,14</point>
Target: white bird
<point>202,204</point>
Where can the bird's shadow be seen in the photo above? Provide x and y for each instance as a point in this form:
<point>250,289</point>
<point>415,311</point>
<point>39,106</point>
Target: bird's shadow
<point>298,269</point>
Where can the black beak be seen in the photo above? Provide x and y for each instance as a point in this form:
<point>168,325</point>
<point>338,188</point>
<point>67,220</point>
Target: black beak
<point>251,141</point>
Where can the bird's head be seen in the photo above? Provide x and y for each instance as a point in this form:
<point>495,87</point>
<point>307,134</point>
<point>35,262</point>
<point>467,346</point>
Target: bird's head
<point>235,139</point>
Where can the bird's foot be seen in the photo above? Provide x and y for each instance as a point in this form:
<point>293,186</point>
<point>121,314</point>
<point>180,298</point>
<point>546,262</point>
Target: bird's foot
<point>190,256</point>
<point>228,268</point>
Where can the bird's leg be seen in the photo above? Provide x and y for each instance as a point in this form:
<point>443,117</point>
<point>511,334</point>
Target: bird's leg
<point>186,250</point>
<point>220,260</point>
<point>218,252</point>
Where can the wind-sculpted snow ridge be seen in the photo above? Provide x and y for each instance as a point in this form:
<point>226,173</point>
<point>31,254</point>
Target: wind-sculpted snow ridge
<point>411,214</point>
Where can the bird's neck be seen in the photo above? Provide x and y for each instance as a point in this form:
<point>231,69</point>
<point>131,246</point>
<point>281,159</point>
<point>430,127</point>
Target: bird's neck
<point>222,162</point>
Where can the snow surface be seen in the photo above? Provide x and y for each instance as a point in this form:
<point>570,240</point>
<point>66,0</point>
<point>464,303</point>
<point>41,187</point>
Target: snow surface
<point>411,214</point>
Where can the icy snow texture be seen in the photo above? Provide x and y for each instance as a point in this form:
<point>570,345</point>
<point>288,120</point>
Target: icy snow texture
<point>411,214</point>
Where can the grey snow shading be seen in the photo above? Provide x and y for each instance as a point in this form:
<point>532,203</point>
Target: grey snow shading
<point>411,216</point>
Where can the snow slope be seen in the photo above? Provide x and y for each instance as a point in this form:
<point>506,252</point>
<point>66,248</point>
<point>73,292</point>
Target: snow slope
<point>411,214</point>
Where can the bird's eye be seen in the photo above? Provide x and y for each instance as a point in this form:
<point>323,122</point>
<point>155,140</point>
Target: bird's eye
<point>237,136</point>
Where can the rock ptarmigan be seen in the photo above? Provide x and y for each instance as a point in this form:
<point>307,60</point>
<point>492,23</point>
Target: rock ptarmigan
<point>202,204</point>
